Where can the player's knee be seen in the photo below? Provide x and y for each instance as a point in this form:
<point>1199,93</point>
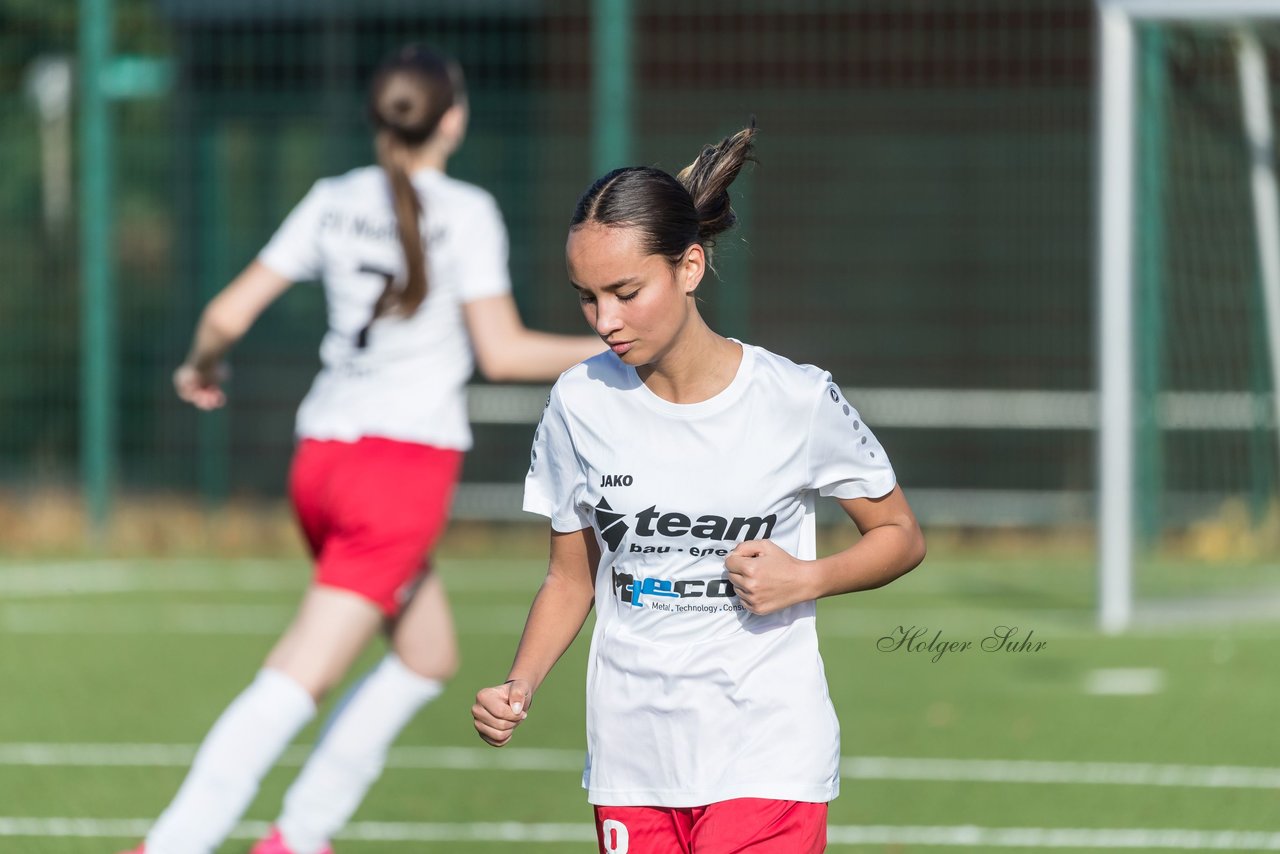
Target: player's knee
<point>317,674</point>
<point>310,679</point>
<point>440,664</point>
<point>446,668</point>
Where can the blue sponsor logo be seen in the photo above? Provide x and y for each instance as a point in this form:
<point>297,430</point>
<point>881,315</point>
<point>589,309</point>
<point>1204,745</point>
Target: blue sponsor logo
<point>633,590</point>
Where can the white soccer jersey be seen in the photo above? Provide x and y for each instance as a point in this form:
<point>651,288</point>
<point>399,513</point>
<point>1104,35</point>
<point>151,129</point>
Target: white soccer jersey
<point>691,699</point>
<point>404,378</point>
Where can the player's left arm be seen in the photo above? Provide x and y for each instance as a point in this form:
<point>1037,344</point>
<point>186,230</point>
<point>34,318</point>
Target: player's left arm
<point>768,579</point>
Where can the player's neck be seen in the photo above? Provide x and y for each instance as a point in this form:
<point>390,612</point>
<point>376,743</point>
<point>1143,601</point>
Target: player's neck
<point>697,367</point>
<point>427,158</point>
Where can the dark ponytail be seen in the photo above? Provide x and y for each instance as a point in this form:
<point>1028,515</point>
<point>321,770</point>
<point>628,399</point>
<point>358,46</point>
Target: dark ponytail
<point>708,178</point>
<point>409,95</point>
<point>408,208</point>
<point>672,213</point>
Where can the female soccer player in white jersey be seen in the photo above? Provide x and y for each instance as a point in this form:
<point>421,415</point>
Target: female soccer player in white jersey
<point>414,265</point>
<point>679,472</point>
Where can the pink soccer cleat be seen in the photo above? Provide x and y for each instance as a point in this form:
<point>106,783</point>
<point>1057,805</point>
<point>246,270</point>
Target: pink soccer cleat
<point>272,843</point>
<point>141,849</point>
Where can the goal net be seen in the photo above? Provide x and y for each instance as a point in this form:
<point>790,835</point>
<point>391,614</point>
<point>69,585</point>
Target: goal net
<point>1189,310</point>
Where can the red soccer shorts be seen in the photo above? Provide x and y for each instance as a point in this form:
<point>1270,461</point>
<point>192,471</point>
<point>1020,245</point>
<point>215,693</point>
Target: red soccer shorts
<point>754,825</point>
<point>371,511</point>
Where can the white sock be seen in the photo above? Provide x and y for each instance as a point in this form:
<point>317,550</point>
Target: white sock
<point>351,753</point>
<point>235,756</point>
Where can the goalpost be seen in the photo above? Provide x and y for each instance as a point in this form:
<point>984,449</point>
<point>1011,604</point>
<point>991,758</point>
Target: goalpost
<point>1118,251</point>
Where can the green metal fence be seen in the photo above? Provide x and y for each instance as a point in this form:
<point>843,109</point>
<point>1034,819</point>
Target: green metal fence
<point>920,218</point>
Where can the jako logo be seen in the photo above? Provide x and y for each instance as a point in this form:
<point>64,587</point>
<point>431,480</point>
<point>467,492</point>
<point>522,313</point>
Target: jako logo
<point>632,590</point>
<point>615,480</point>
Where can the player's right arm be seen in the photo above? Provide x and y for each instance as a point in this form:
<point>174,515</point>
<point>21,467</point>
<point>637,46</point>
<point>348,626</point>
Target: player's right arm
<point>508,351</point>
<point>223,322</point>
<point>558,612</point>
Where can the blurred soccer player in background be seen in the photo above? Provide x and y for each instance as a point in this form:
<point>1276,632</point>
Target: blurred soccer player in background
<point>414,265</point>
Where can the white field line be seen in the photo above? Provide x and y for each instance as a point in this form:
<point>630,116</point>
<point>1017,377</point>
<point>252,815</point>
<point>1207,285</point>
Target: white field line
<point>180,756</point>
<point>193,618</point>
<point>110,576</point>
<point>90,580</point>
<point>967,836</point>
<point>98,577</point>
<point>92,577</point>
<point>1084,773</point>
<point>569,760</point>
<point>133,619</point>
<point>170,618</point>
<point>82,618</point>
<point>1124,681</point>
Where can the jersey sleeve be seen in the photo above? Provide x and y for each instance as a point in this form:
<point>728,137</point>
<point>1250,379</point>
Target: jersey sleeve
<point>845,460</point>
<point>294,250</point>
<point>556,482</point>
<point>483,262</point>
